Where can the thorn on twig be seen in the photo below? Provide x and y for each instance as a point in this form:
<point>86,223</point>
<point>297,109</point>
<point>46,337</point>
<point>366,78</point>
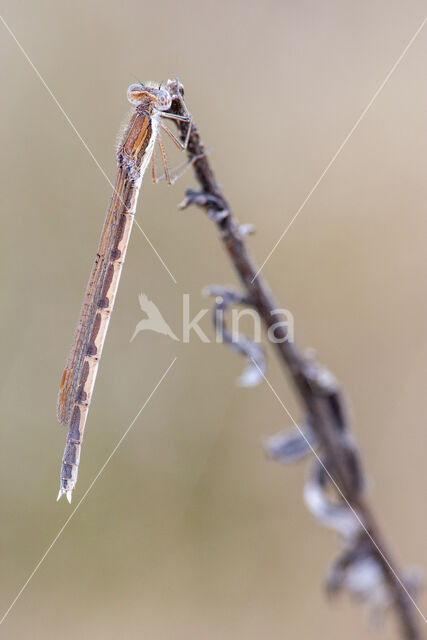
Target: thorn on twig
<point>293,444</point>
<point>358,572</point>
<point>335,514</point>
<point>356,569</point>
<point>321,379</point>
<point>213,205</point>
<point>201,199</point>
<point>224,298</point>
<point>246,229</point>
<point>217,216</point>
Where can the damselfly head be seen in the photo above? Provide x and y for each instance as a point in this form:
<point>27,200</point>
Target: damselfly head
<point>138,93</point>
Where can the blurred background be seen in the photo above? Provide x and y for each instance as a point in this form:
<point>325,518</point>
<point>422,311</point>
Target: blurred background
<point>191,532</point>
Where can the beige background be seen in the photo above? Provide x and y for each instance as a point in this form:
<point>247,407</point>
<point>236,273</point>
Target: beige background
<point>191,532</point>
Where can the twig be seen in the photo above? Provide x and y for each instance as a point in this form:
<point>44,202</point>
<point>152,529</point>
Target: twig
<point>365,567</point>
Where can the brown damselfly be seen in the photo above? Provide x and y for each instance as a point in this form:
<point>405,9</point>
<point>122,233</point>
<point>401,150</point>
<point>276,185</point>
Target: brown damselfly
<point>136,149</point>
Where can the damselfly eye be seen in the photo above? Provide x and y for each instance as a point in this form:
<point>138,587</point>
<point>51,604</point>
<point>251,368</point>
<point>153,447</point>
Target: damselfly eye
<point>163,100</point>
<point>136,93</point>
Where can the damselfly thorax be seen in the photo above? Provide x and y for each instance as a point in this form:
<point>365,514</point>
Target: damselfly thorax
<point>134,153</point>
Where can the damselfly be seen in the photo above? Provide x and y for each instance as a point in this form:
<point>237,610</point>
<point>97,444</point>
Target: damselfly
<point>135,151</point>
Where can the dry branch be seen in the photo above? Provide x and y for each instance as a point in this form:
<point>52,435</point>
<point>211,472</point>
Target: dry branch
<point>365,566</point>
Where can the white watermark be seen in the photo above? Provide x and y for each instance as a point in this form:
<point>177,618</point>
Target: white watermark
<point>226,322</point>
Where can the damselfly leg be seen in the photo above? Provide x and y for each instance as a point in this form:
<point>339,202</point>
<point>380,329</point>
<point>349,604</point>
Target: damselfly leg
<point>172,175</point>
